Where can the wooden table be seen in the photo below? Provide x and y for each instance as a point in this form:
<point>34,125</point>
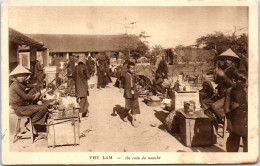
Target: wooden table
<point>195,129</point>
<point>63,128</point>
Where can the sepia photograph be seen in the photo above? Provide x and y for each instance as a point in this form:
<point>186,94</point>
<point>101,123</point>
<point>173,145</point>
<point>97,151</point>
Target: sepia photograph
<point>129,84</point>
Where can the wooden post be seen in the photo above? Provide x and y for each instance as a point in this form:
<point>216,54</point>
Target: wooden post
<point>45,56</point>
<point>13,56</point>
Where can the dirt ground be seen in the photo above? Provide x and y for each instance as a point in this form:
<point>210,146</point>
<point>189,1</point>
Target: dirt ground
<point>107,133</point>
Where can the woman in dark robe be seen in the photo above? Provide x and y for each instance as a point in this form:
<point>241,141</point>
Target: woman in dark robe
<point>81,76</point>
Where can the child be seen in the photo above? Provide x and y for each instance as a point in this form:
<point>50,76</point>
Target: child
<point>130,93</point>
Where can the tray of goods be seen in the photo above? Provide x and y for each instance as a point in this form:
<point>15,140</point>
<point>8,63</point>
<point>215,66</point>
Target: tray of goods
<point>153,101</point>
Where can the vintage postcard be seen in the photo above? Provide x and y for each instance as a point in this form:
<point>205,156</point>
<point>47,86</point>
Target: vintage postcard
<point>129,82</point>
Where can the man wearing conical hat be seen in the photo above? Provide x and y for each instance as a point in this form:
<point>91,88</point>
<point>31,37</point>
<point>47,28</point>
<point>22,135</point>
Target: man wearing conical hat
<point>225,76</point>
<point>21,102</point>
<point>225,79</point>
<point>81,76</point>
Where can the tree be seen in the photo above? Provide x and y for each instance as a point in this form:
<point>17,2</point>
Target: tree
<point>142,47</point>
<point>221,42</point>
<point>140,50</point>
<point>157,51</point>
<point>135,46</point>
<point>185,53</point>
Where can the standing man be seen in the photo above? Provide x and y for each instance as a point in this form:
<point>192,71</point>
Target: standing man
<point>91,64</point>
<point>70,69</point>
<point>81,76</point>
<point>38,72</point>
<point>236,110</point>
<point>101,71</point>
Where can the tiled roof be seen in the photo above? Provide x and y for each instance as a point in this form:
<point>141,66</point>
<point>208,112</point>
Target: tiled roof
<point>85,43</point>
<point>22,39</point>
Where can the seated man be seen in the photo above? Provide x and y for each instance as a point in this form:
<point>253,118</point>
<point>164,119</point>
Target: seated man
<point>21,101</point>
<point>206,93</point>
<point>158,83</point>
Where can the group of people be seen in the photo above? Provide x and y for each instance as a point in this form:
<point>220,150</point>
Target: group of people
<point>26,98</point>
<point>229,99</point>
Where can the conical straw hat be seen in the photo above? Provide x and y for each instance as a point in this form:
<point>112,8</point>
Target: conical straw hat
<point>19,70</point>
<point>228,53</point>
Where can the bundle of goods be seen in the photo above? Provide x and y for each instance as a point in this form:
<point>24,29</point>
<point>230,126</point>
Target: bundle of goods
<point>166,83</point>
<point>71,88</point>
<point>71,91</point>
<point>170,122</point>
<point>64,105</point>
<point>189,107</point>
<point>152,101</point>
<point>62,87</point>
<point>167,104</point>
<point>70,102</point>
<point>63,93</point>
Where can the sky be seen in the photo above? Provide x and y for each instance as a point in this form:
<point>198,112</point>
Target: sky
<point>167,26</point>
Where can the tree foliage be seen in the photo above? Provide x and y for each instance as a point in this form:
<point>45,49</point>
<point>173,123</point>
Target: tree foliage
<point>191,54</point>
<point>157,51</point>
<point>135,46</point>
<point>221,42</point>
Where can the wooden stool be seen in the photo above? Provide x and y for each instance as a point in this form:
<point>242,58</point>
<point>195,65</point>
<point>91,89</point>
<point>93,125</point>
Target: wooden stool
<point>18,134</point>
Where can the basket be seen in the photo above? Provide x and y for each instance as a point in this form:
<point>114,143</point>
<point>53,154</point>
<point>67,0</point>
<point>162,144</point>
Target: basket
<point>153,101</point>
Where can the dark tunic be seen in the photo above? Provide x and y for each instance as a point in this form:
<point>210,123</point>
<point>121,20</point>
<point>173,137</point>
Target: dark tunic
<point>39,72</point>
<point>70,67</point>
<point>162,69</point>
<point>102,71</point>
<point>81,76</point>
<point>236,109</point>
<point>21,103</point>
<point>130,93</point>
<point>91,65</point>
<point>158,83</point>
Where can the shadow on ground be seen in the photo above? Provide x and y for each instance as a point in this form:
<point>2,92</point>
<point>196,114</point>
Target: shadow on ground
<point>161,115</point>
<point>119,110</point>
